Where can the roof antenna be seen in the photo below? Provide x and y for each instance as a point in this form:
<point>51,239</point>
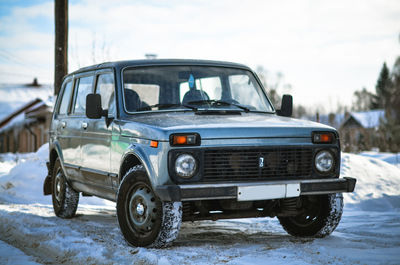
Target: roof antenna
<point>150,56</point>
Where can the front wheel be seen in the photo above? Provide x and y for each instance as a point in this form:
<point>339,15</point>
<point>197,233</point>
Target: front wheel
<point>320,216</point>
<point>145,220</point>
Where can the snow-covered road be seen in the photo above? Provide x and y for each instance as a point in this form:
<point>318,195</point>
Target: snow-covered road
<point>93,237</point>
<point>369,232</point>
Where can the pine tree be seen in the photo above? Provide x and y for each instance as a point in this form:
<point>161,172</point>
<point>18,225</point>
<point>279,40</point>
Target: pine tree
<point>383,87</point>
<point>395,98</point>
<point>390,126</point>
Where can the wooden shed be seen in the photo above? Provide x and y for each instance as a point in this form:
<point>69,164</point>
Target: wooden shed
<point>359,130</point>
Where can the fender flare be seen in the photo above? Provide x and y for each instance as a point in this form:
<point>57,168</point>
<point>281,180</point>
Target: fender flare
<point>138,152</point>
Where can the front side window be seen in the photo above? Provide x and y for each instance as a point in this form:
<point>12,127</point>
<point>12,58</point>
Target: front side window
<point>106,88</point>
<point>192,87</point>
<point>66,96</point>
<point>83,86</point>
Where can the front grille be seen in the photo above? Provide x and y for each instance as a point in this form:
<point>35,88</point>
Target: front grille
<point>257,164</point>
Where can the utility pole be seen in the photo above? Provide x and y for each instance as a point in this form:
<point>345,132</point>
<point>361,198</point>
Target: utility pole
<point>61,43</point>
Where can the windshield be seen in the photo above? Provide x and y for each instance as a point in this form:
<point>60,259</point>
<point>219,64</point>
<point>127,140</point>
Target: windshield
<point>192,87</point>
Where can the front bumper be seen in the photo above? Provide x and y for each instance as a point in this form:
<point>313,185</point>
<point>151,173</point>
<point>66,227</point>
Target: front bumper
<point>253,191</point>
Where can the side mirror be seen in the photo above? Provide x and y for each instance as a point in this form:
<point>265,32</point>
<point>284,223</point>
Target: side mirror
<point>286,107</point>
<point>93,107</point>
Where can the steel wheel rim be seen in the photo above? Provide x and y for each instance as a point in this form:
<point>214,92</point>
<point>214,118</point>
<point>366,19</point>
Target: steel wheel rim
<point>142,209</point>
<point>58,183</point>
<point>310,216</point>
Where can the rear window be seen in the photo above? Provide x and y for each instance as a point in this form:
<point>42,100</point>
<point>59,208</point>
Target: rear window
<point>66,96</point>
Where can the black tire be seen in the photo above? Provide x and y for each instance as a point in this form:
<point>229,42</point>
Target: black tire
<point>322,214</point>
<point>144,220</point>
<point>65,198</point>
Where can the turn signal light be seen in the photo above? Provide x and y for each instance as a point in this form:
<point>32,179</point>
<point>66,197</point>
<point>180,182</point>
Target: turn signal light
<point>184,139</point>
<point>323,137</point>
<point>153,144</point>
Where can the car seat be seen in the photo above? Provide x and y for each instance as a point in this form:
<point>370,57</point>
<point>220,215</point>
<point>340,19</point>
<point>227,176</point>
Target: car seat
<point>194,95</point>
<point>133,102</point>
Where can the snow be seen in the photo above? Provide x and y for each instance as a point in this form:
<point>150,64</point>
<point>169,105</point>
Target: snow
<point>377,185</point>
<point>391,158</point>
<point>369,232</point>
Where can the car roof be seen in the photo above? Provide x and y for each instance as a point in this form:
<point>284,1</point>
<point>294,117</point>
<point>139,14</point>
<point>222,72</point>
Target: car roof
<point>159,62</point>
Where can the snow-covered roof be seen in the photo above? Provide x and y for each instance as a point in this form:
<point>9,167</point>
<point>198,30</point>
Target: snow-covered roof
<point>368,119</point>
<point>14,96</point>
<point>23,115</point>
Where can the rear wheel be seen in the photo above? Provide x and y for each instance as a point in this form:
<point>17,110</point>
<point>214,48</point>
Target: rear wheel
<point>145,220</point>
<point>321,215</point>
<point>65,198</point>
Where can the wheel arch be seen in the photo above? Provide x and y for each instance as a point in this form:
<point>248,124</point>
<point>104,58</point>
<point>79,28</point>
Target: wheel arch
<point>52,159</point>
<point>135,156</point>
<point>130,160</point>
<point>54,153</point>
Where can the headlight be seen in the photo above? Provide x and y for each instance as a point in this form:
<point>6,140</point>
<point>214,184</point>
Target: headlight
<point>185,166</point>
<point>324,161</point>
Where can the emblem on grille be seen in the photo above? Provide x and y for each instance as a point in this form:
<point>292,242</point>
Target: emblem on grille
<point>261,162</point>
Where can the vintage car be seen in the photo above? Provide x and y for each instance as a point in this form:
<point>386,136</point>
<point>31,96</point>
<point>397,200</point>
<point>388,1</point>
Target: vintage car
<point>188,140</point>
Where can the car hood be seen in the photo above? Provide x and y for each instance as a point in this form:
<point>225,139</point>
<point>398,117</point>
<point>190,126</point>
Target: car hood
<point>159,126</point>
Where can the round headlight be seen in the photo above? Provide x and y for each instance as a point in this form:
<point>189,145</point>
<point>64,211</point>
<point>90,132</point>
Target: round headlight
<point>324,161</point>
<point>185,166</point>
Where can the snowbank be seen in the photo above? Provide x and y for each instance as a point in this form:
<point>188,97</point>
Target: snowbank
<point>22,177</point>
<point>378,183</point>
<point>377,188</point>
<point>24,182</point>
<point>391,158</point>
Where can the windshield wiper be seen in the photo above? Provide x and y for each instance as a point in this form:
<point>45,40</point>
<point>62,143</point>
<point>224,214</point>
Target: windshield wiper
<point>214,102</point>
<point>167,105</point>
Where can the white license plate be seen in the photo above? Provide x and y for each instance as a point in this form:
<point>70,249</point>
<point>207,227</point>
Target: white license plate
<point>268,192</point>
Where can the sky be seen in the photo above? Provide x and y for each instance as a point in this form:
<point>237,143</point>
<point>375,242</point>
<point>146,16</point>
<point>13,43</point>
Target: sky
<point>318,51</point>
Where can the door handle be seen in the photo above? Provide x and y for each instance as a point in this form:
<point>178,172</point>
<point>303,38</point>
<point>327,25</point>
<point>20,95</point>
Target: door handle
<point>84,125</point>
<point>63,124</point>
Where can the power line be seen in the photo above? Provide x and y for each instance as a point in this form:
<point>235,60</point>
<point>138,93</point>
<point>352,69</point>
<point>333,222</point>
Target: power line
<point>22,75</point>
<point>15,59</point>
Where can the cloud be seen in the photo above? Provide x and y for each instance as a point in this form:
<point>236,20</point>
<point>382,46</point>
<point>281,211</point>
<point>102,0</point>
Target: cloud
<point>323,48</point>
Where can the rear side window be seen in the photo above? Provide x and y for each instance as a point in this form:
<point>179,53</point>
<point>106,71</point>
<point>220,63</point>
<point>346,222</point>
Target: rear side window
<point>66,96</point>
<point>84,87</point>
